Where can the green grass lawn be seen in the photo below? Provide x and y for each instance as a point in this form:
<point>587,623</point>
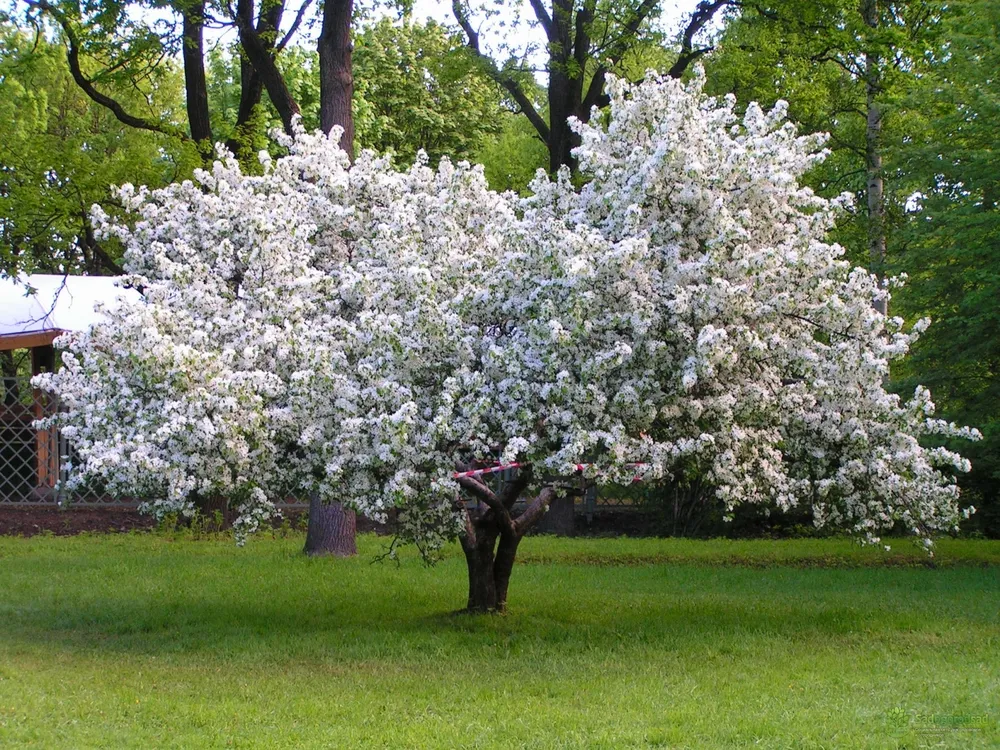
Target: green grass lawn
<point>143,641</point>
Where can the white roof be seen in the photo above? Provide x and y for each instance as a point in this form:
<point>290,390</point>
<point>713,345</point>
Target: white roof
<point>59,303</point>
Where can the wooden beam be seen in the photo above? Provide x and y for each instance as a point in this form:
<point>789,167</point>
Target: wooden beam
<point>43,359</point>
<point>28,340</point>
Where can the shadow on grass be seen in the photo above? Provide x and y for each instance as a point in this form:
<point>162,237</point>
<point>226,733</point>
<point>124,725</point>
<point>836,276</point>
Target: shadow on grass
<point>408,614</point>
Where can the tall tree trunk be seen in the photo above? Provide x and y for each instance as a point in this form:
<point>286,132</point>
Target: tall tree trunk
<point>336,90</point>
<point>336,79</point>
<point>251,89</point>
<point>873,152</point>
<point>565,86</point>
<point>195,86</point>
<point>332,529</point>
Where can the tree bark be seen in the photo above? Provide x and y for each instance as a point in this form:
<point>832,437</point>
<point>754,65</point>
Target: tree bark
<point>195,85</point>
<point>479,558</point>
<point>336,79</point>
<point>251,87</point>
<point>260,54</point>
<point>873,153</point>
<point>565,94</point>
<point>332,529</point>
<point>336,87</point>
<point>560,519</point>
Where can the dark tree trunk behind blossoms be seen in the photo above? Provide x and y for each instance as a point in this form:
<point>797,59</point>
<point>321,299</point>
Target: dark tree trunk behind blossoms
<point>873,152</point>
<point>331,529</point>
<point>332,526</point>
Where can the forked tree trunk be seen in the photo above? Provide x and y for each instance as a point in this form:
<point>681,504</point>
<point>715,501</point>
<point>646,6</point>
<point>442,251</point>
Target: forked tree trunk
<point>491,539</point>
<point>331,529</point>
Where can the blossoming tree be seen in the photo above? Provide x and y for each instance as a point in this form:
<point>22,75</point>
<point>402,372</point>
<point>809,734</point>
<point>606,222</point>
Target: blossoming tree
<point>181,395</point>
<point>681,314</point>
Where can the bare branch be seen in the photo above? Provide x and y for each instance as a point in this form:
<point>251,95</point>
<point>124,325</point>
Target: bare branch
<point>544,19</point>
<point>87,86</point>
<point>704,13</point>
<point>612,55</point>
<point>294,27</point>
<point>501,76</point>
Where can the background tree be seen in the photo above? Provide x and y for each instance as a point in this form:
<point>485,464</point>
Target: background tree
<point>845,69</point>
<point>585,41</point>
<point>60,152</point>
<point>952,237</point>
<point>421,90</point>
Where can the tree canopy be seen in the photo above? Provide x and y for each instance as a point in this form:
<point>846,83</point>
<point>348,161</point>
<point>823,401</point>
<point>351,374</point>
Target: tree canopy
<point>368,331</point>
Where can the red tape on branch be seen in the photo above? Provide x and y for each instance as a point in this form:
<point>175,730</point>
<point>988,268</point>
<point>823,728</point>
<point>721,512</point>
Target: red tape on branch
<point>504,467</point>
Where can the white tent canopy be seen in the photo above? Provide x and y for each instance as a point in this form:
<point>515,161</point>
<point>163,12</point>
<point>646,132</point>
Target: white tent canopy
<point>57,304</point>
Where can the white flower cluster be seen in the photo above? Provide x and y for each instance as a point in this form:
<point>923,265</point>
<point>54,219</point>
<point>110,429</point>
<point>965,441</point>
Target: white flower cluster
<point>354,331</point>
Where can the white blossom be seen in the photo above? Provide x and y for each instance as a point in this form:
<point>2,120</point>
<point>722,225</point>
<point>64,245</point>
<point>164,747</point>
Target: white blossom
<point>355,331</point>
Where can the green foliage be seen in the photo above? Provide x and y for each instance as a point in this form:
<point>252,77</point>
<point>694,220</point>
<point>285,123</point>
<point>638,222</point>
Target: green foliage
<point>141,641</point>
<point>953,240</point>
<point>810,54</point>
<point>514,155</point>
<point>416,88</point>
<point>60,153</point>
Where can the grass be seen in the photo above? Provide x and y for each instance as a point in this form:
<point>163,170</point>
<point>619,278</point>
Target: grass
<point>143,640</point>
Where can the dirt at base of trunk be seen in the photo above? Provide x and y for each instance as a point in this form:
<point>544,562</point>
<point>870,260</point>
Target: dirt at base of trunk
<point>32,520</point>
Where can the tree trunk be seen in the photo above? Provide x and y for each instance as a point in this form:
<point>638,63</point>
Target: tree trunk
<point>479,559</point>
<point>490,566</point>
<point>260,54</point>
<point>565,92</point>
<point>195,86</point>
<point>503,566</point>
<point>336,87</point>
<point>214,508</point>
<point>336,79</point>
<point>332,529</point>
<point>873,155</point>
<point>560,518</point>
<point>251,89</point>
<point>490,543</point>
